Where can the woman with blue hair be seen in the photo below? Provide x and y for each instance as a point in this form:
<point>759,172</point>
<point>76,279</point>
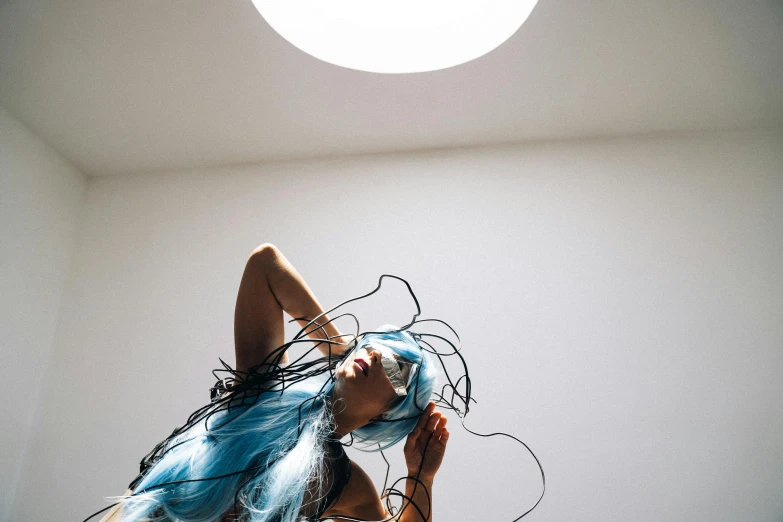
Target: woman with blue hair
<point>267,448</point>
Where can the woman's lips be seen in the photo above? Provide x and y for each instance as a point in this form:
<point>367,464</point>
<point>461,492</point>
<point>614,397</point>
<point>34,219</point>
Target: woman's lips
<point>362,365</point>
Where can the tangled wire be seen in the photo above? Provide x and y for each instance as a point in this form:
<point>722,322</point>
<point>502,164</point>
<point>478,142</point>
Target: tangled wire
<point>235,391</point>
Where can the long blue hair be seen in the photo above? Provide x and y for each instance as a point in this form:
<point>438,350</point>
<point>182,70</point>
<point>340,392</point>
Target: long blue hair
<point>260,458</point>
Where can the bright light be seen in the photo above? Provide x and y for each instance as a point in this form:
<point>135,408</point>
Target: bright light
<point>399,36</point>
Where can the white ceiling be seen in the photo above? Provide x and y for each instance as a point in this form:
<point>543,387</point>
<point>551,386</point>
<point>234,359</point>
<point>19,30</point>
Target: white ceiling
<point>120,87</point>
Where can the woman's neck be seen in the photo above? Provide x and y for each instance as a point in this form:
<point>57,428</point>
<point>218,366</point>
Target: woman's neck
<point>346,420</point>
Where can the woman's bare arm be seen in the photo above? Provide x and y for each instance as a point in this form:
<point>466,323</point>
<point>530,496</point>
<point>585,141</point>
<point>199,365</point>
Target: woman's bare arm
<point>421,495</point>
<point>298,301</point>
<point>424,450</point>
<point>270,286</point>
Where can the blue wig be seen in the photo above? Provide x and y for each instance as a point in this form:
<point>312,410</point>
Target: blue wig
<point>263,453</point>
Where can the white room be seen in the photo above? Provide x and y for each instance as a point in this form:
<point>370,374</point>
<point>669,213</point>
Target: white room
<point>594,205</point>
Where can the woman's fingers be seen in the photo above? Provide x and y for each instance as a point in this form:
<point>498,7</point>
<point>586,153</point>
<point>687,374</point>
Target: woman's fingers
<point>444,437</point>
<point>421,424</point>
<point>433,421</point>
<point>441,425</point>
<point>433,430</point>
<point>437,431</point>
<point>425,415</point>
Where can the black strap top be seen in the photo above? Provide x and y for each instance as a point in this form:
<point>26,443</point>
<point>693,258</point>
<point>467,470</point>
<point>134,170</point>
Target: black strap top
<point>336,473</point>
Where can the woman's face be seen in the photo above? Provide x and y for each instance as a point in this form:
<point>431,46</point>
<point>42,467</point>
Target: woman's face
<point>363,383</point>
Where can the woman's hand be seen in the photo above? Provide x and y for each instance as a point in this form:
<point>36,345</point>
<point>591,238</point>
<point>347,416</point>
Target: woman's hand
<point>430,433</point>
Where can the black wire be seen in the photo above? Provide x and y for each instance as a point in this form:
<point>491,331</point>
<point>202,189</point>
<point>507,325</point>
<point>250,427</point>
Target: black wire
<point>269,376</point>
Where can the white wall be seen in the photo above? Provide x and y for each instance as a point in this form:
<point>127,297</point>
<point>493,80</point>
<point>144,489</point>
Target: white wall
<point>619,304</point>
<point>40,198</point>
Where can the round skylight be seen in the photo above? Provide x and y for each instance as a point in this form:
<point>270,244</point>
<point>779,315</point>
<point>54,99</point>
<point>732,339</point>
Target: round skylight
<point>399,36</point>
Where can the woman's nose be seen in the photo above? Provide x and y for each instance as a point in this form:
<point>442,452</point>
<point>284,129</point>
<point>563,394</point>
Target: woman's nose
<point>374,354</point>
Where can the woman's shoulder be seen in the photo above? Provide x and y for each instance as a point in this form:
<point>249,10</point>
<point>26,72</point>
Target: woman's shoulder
<point>359,498</point>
